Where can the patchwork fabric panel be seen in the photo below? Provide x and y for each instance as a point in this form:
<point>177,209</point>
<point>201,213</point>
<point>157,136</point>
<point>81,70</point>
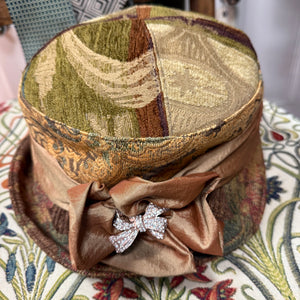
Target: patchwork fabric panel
<point>144,75</point>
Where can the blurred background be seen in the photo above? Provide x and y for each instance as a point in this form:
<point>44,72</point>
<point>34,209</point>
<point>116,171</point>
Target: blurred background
<point>274,29</point>
<point>272,25</point>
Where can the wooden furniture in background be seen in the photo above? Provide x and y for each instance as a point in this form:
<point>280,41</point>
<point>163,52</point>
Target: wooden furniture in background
<point>206,7</point>
<point>5,18</point>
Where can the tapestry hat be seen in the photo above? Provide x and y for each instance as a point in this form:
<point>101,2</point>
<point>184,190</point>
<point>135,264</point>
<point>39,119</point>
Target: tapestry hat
<point>144,153</point>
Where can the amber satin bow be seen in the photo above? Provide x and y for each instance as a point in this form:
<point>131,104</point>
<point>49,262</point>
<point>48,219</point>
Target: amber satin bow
<point>191,224</point>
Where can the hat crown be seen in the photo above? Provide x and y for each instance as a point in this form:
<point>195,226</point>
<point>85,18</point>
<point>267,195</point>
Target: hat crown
<point>142,92</point>
<point>143,74</point>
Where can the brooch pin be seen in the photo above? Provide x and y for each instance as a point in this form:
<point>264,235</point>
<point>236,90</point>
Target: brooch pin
<point>130,227</point>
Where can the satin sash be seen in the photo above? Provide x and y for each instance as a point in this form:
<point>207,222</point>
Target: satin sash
<point>191,227</point>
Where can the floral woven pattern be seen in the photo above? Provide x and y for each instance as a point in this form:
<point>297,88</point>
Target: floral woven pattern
<point>267,267</point>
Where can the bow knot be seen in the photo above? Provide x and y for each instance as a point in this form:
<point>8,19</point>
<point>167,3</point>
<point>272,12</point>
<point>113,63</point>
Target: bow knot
<point>130,227</point>
<point>138,223</point>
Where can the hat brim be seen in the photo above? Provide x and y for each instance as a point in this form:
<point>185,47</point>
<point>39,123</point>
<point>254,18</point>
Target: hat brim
<point>239,204</point>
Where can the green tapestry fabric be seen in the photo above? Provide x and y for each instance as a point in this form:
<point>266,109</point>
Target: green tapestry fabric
<point>144,72</point>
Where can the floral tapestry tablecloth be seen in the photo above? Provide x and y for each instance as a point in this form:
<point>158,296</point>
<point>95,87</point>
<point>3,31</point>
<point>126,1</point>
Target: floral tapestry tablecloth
<point>267,267</point>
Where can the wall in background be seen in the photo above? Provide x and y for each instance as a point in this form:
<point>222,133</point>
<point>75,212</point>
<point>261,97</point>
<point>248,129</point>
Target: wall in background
<point>274,29</point>
<point>12,63</point>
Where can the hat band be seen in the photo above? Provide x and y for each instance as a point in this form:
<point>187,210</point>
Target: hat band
<point>191,224</point>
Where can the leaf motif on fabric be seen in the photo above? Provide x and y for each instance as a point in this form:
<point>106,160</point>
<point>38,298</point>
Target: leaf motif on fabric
<point>108,288</point>
<point>221,290</point>
<point>129,294</point>
<point>30,276</point>
<point>277,136</point>
<point>50,264</point>
<point>132,84</point>
<point>3,226</point>
<point>11,267</point>
<point>45,70</point>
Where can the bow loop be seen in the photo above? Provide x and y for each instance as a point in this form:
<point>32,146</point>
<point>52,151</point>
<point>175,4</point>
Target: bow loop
<point>120,224</point>
<point>123,240</point>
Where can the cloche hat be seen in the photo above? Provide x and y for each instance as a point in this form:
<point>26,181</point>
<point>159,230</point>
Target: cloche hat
<point>144,154</point>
